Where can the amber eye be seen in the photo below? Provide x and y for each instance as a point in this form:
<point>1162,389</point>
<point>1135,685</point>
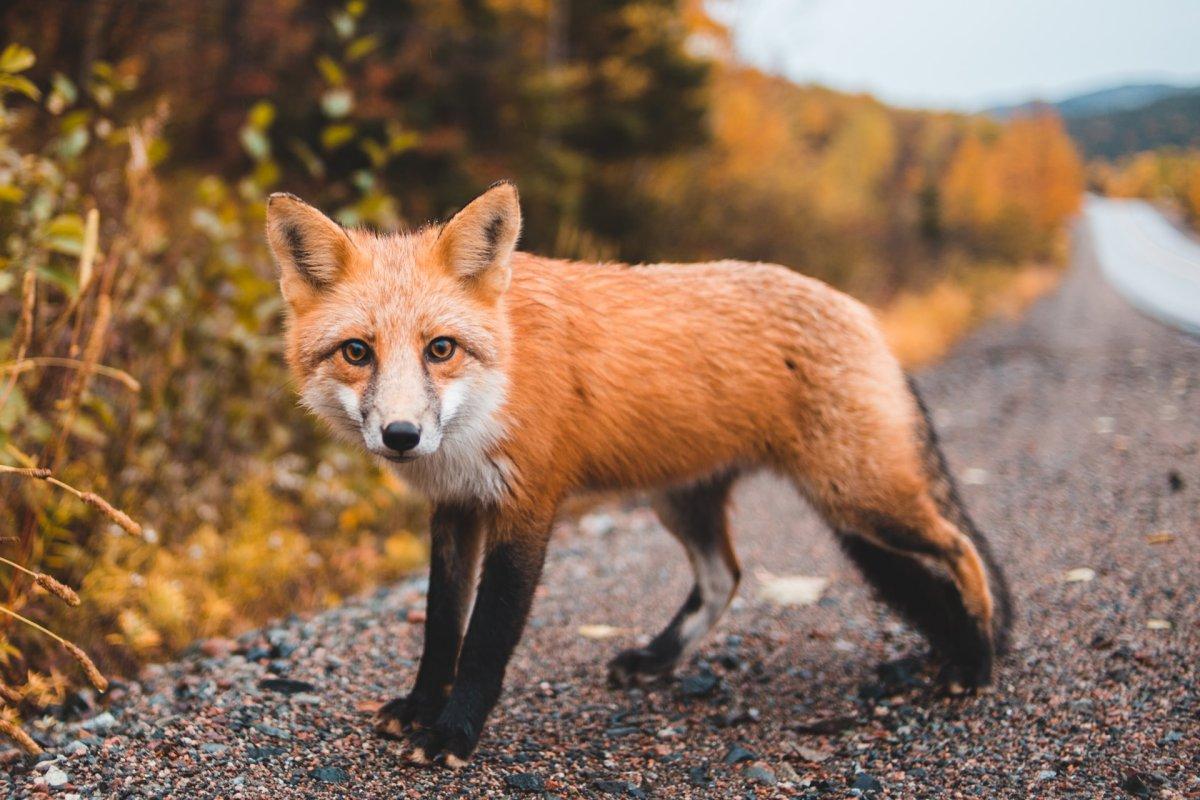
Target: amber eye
<point>440,349</point>
<point>356,352</point>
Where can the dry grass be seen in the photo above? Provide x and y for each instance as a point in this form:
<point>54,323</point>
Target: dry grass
<point>921,327</point>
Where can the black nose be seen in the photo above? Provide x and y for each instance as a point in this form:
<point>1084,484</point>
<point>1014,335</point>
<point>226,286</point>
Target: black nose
<point>401,436</point>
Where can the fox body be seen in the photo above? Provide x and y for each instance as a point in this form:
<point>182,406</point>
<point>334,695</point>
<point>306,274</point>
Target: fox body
<point>499,383</point>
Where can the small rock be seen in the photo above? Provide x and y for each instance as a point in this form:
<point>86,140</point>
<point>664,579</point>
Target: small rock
<point>55,778</point>
<point>866,783</point>
<point>738,754</point>
<point>416,616</point>
<point>272,730</point>
<point>698,776</point>
<point>525,782</point>
<point>761,773</point>
<point>306,699</point>
<point>1047,774</point>
<point>620,788</point>
<point>597,524</point>
<point>1141,784</point>
<point>330,775</point>
<point>812,754</point>
<point>825,726</point>
<point>702,684</point>
<point>285,685</point>
<point>737,716</point>
<point>262,753</point>
<point>101,723</point>
<point>75,748</point>
<point>257,653</point>
<point>214,748</point>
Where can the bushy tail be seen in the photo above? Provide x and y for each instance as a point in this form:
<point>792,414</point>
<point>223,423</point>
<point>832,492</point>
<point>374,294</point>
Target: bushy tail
<point>945,493</point>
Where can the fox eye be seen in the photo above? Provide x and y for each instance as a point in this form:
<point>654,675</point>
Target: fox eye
<point>440,349</point>
<point>356,352</point>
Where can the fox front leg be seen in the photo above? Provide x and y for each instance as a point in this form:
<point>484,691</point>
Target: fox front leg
<point>511,569</point>
<point>455,536</point>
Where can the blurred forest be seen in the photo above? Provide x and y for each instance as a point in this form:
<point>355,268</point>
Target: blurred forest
<point>138,141</point>
<point>1170,175</point>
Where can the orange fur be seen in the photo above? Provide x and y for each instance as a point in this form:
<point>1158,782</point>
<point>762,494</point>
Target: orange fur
<point>626,377</point>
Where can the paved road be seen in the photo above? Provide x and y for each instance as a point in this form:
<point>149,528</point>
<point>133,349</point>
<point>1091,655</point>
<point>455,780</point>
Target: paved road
<point>1152,263</point>
<point>1077,430</point>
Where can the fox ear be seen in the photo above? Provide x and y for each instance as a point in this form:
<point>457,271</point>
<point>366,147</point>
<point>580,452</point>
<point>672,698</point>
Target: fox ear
<point>478,243</point>
<point>310,248</point>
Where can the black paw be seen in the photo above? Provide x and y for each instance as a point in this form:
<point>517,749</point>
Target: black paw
<point>404,714</point>
<point>446,741</point>
<point>637,666</point>
<point>968,671</point>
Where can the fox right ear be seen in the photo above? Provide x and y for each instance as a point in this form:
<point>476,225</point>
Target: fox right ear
<point>310,248</point>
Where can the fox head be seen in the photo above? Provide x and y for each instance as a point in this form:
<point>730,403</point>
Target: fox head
<point>399,341</point>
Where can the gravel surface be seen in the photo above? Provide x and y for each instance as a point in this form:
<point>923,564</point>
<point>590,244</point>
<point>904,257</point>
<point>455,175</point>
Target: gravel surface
<point>1076,434</point>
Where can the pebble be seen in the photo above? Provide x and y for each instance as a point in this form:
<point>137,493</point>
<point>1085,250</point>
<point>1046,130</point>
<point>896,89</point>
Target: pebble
<point>285,686</point>
<point>761,773</point>
<point>75,748</point>
<point>55,777</point>
<point>738,754</point>
<point>525,782</point>
<point>306,699</point>
<point>330,775</point>
<point>701,684</point>
<point>101,723</point>
<point>620,788</point>
<point>866,783</point>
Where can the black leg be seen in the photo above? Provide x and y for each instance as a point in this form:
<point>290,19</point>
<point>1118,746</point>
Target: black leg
<point>456,534</point>
<point>511,570</point>
<point>931,601</point>
<point>695,515</point>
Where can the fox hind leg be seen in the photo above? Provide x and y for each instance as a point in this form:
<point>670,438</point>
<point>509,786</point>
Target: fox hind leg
<point>939,584</point>
<point>696,515</point>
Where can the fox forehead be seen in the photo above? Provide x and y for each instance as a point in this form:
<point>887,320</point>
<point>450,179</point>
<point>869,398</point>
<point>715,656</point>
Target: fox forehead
<point>395,294</point>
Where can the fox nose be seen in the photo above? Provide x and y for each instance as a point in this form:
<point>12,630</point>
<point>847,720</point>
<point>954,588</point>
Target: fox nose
<point>401,436</point>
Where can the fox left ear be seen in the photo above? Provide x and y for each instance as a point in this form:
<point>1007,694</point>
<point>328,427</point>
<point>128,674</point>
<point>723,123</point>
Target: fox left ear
<point>478,243</point>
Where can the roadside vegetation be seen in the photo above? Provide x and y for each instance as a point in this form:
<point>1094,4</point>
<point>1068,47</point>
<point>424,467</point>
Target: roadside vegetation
<point>1167,175</point>
<point>139,317</point>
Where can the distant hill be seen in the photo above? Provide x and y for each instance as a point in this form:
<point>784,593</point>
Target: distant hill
<point>1124,119</point>
<point>1103,101</point>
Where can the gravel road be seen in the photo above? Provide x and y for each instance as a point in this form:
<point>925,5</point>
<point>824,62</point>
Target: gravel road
<point>1076,434</point>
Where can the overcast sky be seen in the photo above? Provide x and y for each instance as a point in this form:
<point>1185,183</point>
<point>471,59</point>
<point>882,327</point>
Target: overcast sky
<point>969,53</point>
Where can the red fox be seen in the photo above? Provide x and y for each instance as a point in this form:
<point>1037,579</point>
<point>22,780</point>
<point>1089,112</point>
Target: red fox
<point>499,383</point>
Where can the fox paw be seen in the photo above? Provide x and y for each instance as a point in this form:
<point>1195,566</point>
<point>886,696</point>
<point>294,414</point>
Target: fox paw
<point>637,666</point>
<point>966,674</point>
<point>443,743</point>
<point>401,715</point>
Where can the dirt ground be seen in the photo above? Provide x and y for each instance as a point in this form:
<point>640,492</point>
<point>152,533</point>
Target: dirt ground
<point>1075,433</point>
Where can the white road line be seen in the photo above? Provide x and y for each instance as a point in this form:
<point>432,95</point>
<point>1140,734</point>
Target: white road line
<point>1150,262</point>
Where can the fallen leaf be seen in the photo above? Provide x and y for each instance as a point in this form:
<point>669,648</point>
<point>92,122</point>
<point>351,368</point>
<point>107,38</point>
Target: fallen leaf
<point>974,476</point>
<point>791,590</point>
<point>1079,575</point>
<point>599,631</point>
<point>1158,624</point>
